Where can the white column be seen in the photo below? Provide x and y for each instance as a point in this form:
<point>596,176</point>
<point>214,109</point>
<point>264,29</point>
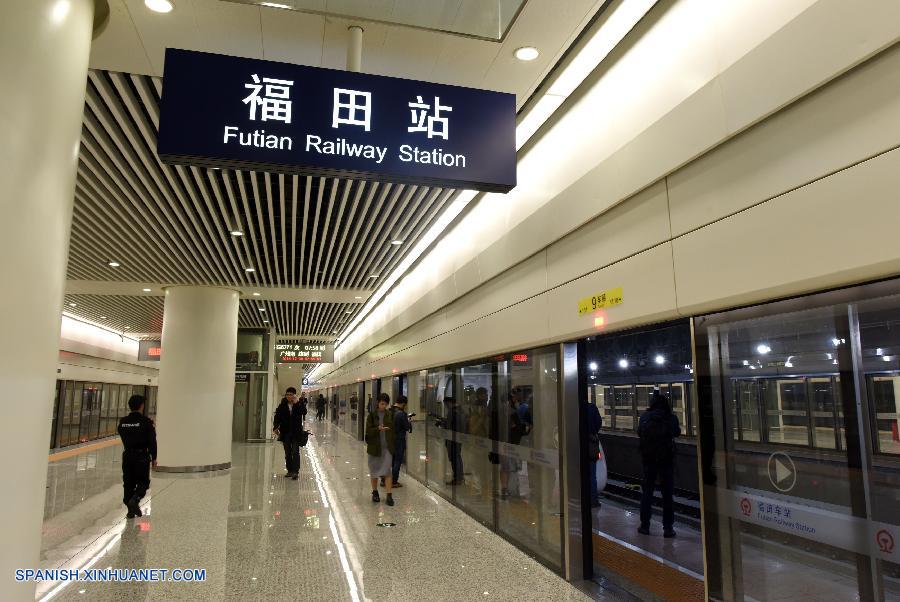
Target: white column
<point>44,48</point>
<point>196,378</point>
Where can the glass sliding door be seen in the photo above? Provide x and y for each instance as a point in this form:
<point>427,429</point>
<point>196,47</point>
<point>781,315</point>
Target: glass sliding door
<point>807,510</point>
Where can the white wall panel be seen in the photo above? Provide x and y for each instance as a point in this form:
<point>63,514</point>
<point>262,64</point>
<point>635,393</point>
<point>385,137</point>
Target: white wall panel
<point>854,118</point>
<point>118,47</point>
<point>824,41</point>
<point>73,366</point>
<point>836,231</point>
<point>639,223</point>
<point>648,293</point>
<point>676,89</point>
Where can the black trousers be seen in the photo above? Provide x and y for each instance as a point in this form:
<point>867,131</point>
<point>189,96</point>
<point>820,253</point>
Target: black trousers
<point>291,454</point>
<point>135,474</point>
<point>454,454</point>
<point>665,470</point>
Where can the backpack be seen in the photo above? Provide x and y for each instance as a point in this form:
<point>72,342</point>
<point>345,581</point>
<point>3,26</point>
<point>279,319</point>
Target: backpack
<point>657,438</point>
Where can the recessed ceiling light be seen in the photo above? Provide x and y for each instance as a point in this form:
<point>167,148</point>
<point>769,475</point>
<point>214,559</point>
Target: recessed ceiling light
<point>274,5</point>
<point>159,6</point>
<point>102,317</point>
<point>262,309</point>
<point>256,294</point>
<point>128,328</point>
<point>237,233</point>
<point>623,363</point>
<point>73,304</point>
<point>527,53</point>
<point>113,264</point>
<point>374,276</point>
<point>249,270</point>
<point>397,242</point>
<point>349,311</point>
<point>265,321</point>
<point>146,290</point>
<point>334,332</point>
<point>357,297</point>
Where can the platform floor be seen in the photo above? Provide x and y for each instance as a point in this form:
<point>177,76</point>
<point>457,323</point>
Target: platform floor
<point>261,536</point>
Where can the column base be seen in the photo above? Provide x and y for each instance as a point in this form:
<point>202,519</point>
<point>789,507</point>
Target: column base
<point>203,468</point>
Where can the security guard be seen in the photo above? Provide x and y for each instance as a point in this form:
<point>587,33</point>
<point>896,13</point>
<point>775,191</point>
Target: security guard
<point>139,438</point>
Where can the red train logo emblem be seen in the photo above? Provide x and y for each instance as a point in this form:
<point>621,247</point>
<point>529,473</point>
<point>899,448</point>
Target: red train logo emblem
<point>746,506</point>
<point>885,541</point>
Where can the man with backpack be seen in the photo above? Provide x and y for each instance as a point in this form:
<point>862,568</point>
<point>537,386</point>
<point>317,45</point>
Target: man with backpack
<point>657,429</point>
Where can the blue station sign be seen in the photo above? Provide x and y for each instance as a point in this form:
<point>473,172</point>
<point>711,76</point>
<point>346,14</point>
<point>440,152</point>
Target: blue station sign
<point>225,111</point>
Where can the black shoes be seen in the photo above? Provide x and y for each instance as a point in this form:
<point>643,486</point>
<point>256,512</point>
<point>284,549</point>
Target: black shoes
<point>390,500</point>
<point>397,485</point>
<point>375,497</point>
<point>295,476</point>
<point>670,532</point>
<point>644,529</point>
<point>134,508</point>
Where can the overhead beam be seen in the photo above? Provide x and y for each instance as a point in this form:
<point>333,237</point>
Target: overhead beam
<point>302,295</point>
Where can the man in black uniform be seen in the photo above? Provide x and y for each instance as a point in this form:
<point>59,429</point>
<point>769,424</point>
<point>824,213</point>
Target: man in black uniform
<point>139,438</point>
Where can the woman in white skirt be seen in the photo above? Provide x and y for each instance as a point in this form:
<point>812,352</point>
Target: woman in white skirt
<point>380,439</point>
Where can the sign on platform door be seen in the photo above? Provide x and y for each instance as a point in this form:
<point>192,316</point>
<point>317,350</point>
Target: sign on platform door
<point>225,111</point>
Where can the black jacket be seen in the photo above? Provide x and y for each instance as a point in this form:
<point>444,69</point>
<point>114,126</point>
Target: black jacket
<point>295,421</point>
<point>401,425</point>
<point>282,420</point>
<point>138,433</point>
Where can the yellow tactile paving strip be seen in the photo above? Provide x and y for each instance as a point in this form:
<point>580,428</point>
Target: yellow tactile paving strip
<point>81,450</point>
<point>664,581</point>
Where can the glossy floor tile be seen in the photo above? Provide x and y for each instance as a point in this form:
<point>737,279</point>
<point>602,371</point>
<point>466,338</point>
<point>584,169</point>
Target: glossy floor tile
<point>261,536</point>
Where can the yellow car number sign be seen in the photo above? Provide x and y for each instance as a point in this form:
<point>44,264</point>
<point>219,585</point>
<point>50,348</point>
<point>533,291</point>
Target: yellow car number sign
<point>602,300</point>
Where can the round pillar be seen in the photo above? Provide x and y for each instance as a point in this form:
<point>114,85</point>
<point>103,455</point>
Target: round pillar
<point>44,49</point>
<point>196,378</point>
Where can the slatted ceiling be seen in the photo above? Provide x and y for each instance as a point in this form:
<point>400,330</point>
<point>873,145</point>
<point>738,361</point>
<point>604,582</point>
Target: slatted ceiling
<point>172,223</point>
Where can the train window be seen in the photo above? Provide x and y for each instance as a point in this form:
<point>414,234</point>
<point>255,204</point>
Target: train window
<point>879,333</point>
<point>623,369</point>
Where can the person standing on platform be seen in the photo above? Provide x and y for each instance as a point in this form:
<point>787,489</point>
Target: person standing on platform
<point>304,407</point>
<point>296,436</point>
<point>380,445</point>
<point>453,422</point>
<point>402,426</point>
<point>320,407</point>
<point>139,439</point>
<point>281,425</point>
<point>594,424</point>
<point>657,429</point>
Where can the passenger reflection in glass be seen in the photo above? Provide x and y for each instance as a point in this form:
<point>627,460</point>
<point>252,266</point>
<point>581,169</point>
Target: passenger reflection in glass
<point>657,429</point>
<point>453,422</point>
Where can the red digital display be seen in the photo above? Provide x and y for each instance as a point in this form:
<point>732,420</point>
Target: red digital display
<point>520,357</point>
<point>154,351</point>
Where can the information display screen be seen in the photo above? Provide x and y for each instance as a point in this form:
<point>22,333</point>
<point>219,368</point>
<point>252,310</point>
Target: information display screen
<point>304,352</point>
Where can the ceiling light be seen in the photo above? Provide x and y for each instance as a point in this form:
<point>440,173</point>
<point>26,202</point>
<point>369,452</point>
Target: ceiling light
<point>659,360</point>
<point>623,363</point>
<point>274,5</point>
<point>397,242</point>
<point>146,290</point>
<point>374,276</point>
<point>262,309</point>
<point>763,349</point>
<point>357,297</point>
<point>159,6</point>
<point>73,304</point>
<point>128,328</point>
<point>102,317</point>
<point>237,233</point>
<point>527,53</point>
<point>746,363</point>
<point>256,294</point>
<point>113,264</point>
<point>349,311</point>
<point>879,351</point>
<point>592,365</point>
<point>334,332</point>
<point>249,270</point>
<point>886,358</point>
<point>265,321</point>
